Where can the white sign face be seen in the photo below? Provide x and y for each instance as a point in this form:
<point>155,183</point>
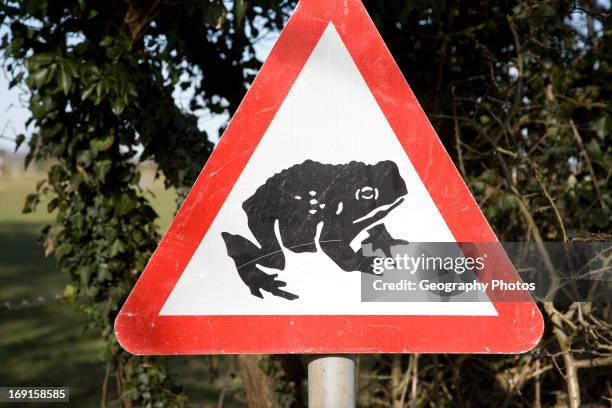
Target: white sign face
<point>328,219</point>
<point>330,116</point>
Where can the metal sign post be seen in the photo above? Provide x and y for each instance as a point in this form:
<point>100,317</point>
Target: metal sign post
<point>331,381</point>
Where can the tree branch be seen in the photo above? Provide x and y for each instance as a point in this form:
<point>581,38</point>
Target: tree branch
<point>587,159</point>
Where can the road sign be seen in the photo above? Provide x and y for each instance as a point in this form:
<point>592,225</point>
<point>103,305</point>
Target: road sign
<point>324,185</point>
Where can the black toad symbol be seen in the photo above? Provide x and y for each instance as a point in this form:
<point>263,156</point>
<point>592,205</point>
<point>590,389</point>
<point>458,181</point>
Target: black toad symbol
<point>288,208</point>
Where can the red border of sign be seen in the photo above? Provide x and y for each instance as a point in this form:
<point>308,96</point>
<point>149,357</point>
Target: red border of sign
<point>140,329</point>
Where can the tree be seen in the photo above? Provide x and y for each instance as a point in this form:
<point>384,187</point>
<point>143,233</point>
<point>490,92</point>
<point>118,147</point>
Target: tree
<point>101,76</point>
<point>518,90</point>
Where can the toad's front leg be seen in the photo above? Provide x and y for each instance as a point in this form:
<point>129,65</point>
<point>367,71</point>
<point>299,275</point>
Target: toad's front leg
<point>343,255</point>
<point>380,238</point>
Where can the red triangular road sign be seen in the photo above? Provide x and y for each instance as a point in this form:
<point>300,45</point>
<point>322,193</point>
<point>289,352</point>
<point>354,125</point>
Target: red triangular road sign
<point>328,130</point>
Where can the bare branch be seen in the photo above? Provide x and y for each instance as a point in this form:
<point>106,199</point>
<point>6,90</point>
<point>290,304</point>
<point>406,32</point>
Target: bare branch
<point>587,159</point>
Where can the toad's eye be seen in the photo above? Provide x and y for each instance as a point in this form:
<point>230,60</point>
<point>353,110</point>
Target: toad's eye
<point>366,193</point>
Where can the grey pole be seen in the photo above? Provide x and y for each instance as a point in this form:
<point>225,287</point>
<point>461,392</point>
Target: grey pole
<point>331,381</point>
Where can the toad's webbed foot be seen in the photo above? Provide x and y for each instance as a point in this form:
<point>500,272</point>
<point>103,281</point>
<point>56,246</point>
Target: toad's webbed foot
<point>381,239</point>
<point>269,283</point>
<point>247,256</point>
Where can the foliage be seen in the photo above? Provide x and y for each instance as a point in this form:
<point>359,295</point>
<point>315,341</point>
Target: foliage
<point>518,90</point>
<point>520,93</point>
<point>100,77</point>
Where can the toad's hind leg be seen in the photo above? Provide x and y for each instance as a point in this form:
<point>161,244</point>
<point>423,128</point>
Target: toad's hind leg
<point>247,256</point>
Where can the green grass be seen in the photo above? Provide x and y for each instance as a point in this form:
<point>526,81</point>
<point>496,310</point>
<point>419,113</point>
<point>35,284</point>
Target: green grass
<point>42,342</point>
<point>14,188</point>
<point>16,185</point>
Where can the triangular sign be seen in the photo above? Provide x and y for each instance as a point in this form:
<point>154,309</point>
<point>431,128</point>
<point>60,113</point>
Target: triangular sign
<point>328,169</point>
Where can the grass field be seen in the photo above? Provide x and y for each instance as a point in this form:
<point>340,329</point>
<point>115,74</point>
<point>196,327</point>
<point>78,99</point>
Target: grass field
<point>42,341</point>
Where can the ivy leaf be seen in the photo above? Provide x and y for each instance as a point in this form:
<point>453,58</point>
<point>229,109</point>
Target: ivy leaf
<point>104,273</point>
<point>85,273</point>
<point>100,145</point>
<point>31,203</point>
<point>117,248</point>
<point>61,251</point>
<point>124,204</point>
<point>55,174</point>
<point>101,169</point>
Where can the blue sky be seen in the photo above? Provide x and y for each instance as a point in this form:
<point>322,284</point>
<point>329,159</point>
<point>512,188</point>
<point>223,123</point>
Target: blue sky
<point>14,114</point>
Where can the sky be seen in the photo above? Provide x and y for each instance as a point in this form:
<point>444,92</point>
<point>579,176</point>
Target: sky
<point>14,112</point>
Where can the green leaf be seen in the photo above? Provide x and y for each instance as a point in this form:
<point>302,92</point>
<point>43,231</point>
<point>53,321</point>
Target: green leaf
<point>117,106</point>
<point>101,169</point>
<point>117,248</point>
<point>593,147</point>
<point>124,204</point>
<point>16,80</point>
<point>61,251</point>
<point>131,88</point>
<point>55,174</point>
<point>31,203</point>
<point>87,93</point>
<point>84,157</point>
<point>52,205</point>
<point>106,41</point>
<point>16,44</point>
<point>215,14</point>
<point>240,8</point>
<point>98,92</point>
<point>507,202</point>
<point>65,80</point>
<point>85,273</point>
<point>103,273</point>
<point>40,77</point>
<point>100,145</point>
<point>19,140</point>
